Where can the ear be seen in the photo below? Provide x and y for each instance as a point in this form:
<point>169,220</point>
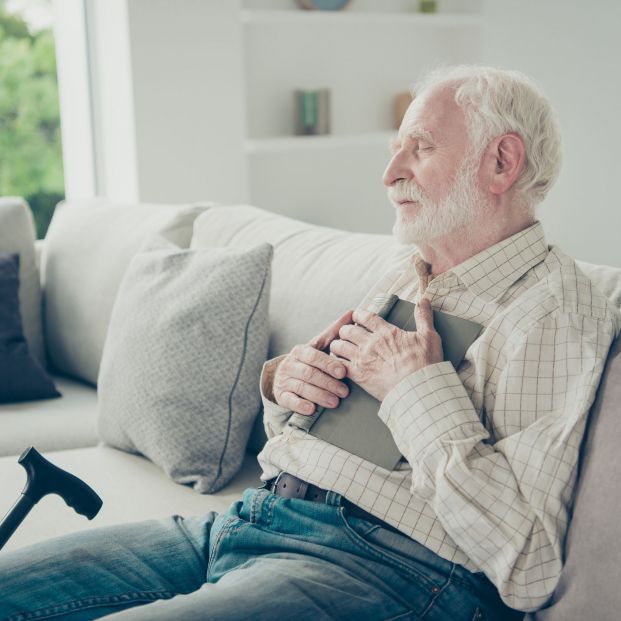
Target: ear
<point>505,161</point>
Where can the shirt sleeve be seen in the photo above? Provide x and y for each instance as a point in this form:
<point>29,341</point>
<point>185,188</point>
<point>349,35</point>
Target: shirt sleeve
<point>505,501</point>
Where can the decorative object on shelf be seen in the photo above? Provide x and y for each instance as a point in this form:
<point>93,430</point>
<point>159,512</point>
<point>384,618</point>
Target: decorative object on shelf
<point>312,111</point>
<point>402,102</point>
<point>428,6</point>
<point>323,5</point>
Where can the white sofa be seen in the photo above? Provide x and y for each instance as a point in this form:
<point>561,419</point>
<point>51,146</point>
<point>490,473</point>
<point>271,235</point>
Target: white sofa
<point>65,429</point>
<point>317,274</point>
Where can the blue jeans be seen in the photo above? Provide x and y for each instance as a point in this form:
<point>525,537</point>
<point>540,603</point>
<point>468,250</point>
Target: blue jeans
<point>266,558</point>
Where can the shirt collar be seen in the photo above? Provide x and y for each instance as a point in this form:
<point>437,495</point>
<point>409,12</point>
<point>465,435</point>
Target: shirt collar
<point>491,272</point>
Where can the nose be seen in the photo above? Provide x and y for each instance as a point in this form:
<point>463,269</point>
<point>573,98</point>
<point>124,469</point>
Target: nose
<point>397,169</point>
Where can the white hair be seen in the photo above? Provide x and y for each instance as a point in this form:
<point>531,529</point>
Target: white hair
<point>496,102</point>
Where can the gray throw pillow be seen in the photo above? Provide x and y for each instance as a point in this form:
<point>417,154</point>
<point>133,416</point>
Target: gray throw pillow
<point>179,377</point>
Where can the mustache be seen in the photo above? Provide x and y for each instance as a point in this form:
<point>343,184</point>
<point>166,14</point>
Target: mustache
<point>403,190</point>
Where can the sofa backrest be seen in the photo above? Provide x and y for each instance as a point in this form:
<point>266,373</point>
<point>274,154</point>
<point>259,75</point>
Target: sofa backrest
<point>317,273</point>
<point>87,249</point>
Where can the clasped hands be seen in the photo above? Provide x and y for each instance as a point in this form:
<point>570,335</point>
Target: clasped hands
<point>374,354</point>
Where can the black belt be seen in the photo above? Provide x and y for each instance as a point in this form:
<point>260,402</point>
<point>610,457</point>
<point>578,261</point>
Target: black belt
<point>289,486</point>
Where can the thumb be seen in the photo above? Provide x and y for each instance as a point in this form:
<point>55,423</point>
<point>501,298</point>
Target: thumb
<point>424,316</point>
<point>323,340</point>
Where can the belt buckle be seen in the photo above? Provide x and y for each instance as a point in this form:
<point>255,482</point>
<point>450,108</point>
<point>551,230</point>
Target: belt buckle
<point>270,484</point>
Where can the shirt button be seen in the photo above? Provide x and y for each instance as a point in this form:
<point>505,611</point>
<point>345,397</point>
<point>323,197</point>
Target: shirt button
<point>435,589</point>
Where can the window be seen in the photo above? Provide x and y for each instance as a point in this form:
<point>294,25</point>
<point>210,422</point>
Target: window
<point>30,140</point>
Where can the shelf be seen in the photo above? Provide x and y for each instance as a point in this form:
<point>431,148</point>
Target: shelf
<point>330,141</point>
<point>291,17</point>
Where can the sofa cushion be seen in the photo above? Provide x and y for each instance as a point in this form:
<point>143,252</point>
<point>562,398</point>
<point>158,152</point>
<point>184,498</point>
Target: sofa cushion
<point>131,487</point>
<point>17,234</point>
<point>181,365</point>
<point>22,378</point>
<point>51,425</point>
<point>88,247</point>
<point>589,584</point>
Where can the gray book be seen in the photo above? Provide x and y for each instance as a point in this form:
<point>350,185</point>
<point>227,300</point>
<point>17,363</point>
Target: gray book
<point>355,425</point>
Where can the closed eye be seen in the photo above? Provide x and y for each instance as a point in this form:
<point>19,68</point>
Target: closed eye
<point>416,145</point>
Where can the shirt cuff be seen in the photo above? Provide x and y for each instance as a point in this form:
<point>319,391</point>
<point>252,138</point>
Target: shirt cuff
<point>429,413</point>
<point>266,381</point>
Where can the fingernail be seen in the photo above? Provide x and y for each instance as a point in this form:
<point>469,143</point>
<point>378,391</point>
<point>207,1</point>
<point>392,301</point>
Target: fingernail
<point>338,388</point>
<point>333,401</point>
<point>339,371</point>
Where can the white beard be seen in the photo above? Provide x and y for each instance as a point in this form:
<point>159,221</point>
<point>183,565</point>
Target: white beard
<point>457,210</point>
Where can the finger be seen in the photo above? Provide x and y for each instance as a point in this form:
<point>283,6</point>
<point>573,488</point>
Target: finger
<point>320,360</point>
<point>371,321</point>
<point>292,402</point>
<point>324,339</point>
<point>423,314</point>
<point>344,349</point>
<point>310,393</point>
<point>354,334</point>
<point>312,375</point>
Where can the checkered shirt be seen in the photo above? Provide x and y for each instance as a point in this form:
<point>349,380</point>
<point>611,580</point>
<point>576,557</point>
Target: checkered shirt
<point>490,449</point>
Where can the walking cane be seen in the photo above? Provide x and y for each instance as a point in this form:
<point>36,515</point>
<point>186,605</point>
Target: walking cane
<point>46,478</point>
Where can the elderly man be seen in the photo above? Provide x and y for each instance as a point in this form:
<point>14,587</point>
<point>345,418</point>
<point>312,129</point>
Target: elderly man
<point>470,525</point>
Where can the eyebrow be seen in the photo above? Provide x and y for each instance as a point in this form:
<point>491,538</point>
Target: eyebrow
<point>418,132</point>
<point>414,132</point>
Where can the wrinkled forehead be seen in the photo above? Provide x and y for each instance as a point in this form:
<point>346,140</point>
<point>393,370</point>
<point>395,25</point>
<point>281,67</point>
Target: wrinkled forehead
<point>433,116</point>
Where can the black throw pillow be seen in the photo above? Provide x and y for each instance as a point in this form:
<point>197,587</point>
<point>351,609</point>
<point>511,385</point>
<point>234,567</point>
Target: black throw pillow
<point>21,377</point>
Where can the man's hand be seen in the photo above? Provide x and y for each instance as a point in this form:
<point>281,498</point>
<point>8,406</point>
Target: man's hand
<point>379,355</point>
<point>308,376</point>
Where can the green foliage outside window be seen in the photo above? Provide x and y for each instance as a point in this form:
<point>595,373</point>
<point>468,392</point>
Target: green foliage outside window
<point>30,142</point>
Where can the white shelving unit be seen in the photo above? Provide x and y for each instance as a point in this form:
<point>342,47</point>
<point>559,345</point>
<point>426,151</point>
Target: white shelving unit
<point>291,144</point>
<point>366,56</point>
<point>259,16</point>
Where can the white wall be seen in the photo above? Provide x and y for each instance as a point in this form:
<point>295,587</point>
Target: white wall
<point>186,57</point>
<point>168,106</point>
<point>170,113</point>
<point>365,57</point>
<point>572,49</point>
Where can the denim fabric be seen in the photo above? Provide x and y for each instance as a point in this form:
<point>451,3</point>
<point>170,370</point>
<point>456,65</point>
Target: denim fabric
<point>266,558</point>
